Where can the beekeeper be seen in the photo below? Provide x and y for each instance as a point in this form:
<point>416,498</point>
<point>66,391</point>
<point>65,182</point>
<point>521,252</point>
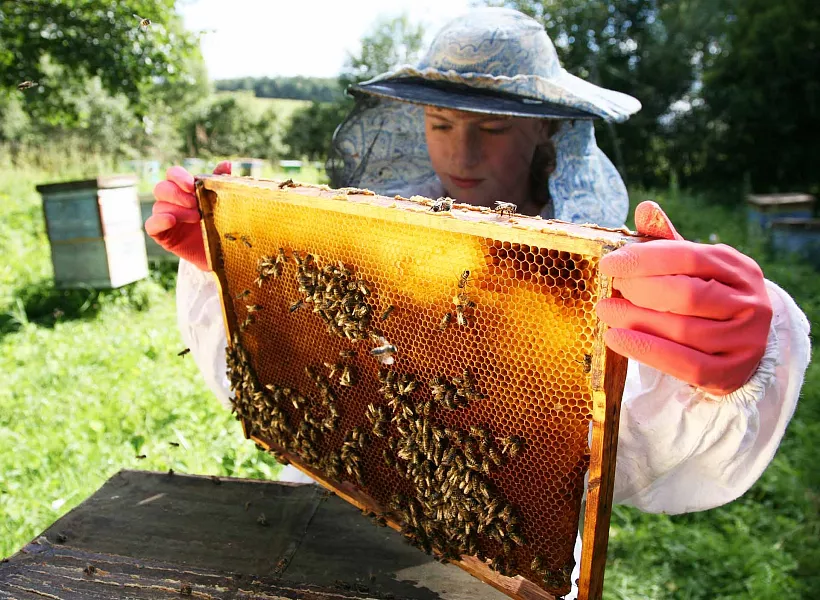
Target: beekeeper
<point>717,353</point>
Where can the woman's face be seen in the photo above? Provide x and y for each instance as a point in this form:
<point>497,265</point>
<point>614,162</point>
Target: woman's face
<point>483,158</point>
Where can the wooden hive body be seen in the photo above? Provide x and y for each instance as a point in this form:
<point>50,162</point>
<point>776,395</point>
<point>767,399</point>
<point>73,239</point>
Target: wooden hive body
<point>95,231</point>
<point>489,463</point>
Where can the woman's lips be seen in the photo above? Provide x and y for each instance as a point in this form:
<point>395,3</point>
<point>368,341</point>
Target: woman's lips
<point>465,183</point>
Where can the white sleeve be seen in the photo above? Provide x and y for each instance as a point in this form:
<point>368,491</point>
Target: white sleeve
<point>199,314</point>
<point>681,449</point>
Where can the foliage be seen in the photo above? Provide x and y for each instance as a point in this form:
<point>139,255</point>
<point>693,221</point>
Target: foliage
<point>312,127</point>
<point>763,95</point>
<point>315,89</point>
<point>226,126</point>
<point>392,42</point>
<point>729,88</point>
<point>94,38</point>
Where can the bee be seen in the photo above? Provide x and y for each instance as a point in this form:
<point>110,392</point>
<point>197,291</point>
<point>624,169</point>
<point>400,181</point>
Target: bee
<point>516,536</point>
<point>503,208</point>
<point>462,282</point>
<point>348,378</point>
<point>141,456</point>
<point>144,23</point>
<point>243,294</point>
<point>184,352</point>
<point>363,287</point>
<point>216,480</point>
<point>186,590</point>
<point>252,308</point>
<point>512,445</point>
<point>262,520</point>
<point>287,183</point>
<point>587,363</point>
<point>461,318</point>
<point>295,306</point>
<point>26,85</point>
<point>387,312</point>
<point>281,257</point>
<point>230,237</point>
<point>90,570</point>
<point>385,350</point>
<point>445,321</point>
<point>442,204</point>
<point>174,444</point>
<point>347,354</point>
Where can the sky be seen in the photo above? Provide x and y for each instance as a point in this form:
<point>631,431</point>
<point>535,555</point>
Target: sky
<point>260,38</point>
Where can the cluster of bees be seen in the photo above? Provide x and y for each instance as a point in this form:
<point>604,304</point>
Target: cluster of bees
<point>451,506</point>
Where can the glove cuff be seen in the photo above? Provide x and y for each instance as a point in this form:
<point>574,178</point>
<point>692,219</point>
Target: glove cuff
<point>755,388</point>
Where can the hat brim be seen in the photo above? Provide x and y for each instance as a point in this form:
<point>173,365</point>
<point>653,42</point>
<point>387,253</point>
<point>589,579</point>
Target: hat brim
<point>467,98</point>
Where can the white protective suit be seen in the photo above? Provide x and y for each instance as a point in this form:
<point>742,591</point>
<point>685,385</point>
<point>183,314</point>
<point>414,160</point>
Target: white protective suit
<point>679,449</point>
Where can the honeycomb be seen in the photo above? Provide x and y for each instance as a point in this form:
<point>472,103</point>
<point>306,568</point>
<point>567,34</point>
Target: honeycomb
<point>437,366</point>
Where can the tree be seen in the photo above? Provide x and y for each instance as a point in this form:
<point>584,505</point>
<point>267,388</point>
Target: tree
<point>225,126</point>
<point>762,92</point>
<point>649,49</point>
<point>95,38</point>
<point>393,42</point>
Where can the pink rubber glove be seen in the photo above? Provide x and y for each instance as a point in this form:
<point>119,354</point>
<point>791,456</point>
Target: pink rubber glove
<point>174,221</point>
<point>697,312</point>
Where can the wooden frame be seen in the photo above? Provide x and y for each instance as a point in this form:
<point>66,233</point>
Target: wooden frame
<point>607,369</point>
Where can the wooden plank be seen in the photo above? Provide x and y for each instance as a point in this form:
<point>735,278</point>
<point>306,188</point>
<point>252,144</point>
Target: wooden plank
<point>147,534</point>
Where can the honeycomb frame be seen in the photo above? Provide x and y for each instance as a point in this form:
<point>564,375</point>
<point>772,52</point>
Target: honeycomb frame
<point>492,274</point>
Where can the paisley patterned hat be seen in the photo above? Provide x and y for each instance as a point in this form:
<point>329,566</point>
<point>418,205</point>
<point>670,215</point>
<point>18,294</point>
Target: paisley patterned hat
<point>494,61</point>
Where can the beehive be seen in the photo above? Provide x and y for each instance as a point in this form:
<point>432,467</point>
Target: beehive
<point>469,433</point>
<point>94,228</point>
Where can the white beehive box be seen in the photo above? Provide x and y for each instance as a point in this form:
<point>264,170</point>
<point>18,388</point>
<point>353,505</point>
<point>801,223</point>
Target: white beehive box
<point>95,230</point>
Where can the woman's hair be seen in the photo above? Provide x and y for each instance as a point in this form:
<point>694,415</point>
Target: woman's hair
<point>543,165</point>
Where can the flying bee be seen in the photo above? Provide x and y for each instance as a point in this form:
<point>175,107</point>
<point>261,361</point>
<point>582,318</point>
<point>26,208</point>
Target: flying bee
<point>445,321</point>
<point>144,23</point>
<point>230,237</point>
<point>348,378</point>
<point>295,306</point>
<point>25,85</point>
<point>441,205</point>
<point>387,312</point>
<point>184,352</point>
<point>503,208</point>
<point>587,363</point>
<point>243,294</point>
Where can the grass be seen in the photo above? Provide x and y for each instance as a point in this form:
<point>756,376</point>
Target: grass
<point>92,379</point>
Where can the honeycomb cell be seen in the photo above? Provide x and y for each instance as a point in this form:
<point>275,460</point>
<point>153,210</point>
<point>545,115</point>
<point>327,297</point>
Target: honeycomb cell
<point>444,375</point>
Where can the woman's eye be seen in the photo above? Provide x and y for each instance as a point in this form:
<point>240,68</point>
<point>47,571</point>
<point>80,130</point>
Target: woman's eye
<point>495,130</point>
<point>440,127</point>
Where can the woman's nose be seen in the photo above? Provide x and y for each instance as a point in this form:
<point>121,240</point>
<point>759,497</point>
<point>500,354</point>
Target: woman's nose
<point>466,152</point>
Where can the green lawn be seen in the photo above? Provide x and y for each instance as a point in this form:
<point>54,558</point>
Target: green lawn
<point>91,380</point>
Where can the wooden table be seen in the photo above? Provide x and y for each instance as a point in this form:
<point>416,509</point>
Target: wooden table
<point>160,535</point>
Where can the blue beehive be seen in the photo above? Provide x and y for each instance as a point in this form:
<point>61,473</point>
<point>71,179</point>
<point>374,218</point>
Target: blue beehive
<point>800,237</point>
<point>155,252</point>
<point>761,210</point>
<point>95,231</point>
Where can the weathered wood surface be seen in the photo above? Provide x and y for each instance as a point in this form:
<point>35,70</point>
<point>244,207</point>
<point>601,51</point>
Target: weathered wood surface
<point>148,535</point>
